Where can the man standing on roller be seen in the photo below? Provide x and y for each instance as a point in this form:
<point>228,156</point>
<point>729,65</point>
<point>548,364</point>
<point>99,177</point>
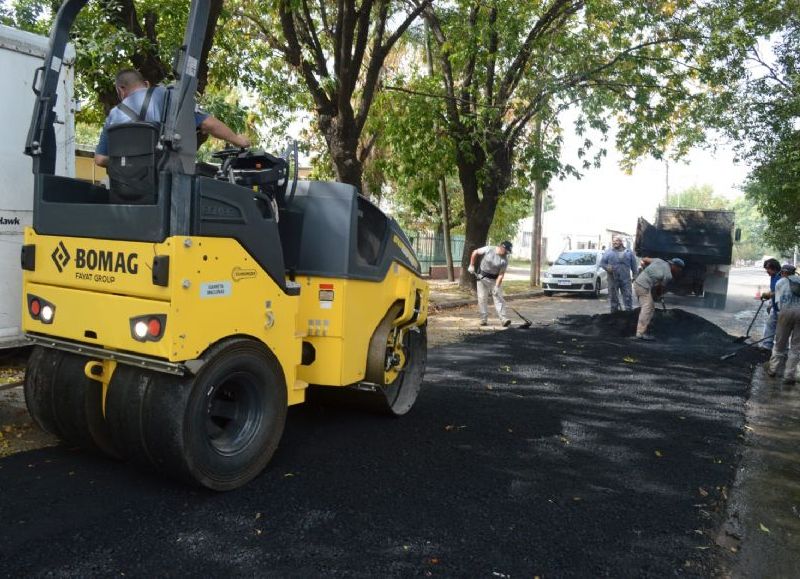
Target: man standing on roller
<point>490,274</point>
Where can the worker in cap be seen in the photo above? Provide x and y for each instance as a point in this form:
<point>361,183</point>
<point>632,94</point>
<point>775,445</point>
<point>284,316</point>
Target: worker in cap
<point>650,285</point>
<point>622,266</point>
<point>787,302</point>
<point>490,273</point>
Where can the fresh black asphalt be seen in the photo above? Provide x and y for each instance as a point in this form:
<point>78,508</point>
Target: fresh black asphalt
<point>561,451</point>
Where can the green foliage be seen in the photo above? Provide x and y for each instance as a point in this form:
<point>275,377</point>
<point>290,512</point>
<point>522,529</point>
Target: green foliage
<point>774,186</point>
<point>753,225</point>
<point>697,197</point>
<point>756,53</point>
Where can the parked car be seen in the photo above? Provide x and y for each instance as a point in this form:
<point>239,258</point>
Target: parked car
<point>576,271</point>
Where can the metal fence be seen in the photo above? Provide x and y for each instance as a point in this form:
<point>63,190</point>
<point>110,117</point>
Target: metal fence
<point>430,249</point>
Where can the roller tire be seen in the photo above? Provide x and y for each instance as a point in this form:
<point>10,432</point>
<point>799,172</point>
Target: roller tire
<point>65,403</point>
<point>175,424</point>
<point>402,393</point>
<point>395,399</point>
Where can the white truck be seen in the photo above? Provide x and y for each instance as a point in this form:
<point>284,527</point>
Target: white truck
<point>21,53</point>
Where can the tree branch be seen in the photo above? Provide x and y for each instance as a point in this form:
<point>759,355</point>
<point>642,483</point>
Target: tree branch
<point>560,9</point>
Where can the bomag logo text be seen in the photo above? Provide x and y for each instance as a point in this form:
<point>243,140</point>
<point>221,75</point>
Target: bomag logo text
<point>107,261</point>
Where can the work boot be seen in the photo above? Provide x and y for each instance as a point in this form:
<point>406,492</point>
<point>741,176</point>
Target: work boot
<point>484,322</point>
<point>645,337</point>
<point>788,380</point>
<point>506,323</point>
<point>769,372</point>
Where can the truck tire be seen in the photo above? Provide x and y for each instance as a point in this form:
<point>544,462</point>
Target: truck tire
<point>218,429</point>
<point>65,403</point>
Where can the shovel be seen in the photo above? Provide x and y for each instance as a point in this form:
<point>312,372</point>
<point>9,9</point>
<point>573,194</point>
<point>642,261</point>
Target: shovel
<point>742,339</point>
<point>526,322</point>
<point>732,354</point>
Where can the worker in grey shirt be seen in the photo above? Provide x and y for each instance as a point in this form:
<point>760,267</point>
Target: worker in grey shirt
<point>490,274</point>
<point>620,263</point>
<point>650,285</point>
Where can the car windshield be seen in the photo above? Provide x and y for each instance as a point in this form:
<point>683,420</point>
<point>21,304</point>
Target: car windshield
<point>577,258</point>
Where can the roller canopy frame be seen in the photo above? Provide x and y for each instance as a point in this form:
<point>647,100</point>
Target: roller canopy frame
<point>178,135</point>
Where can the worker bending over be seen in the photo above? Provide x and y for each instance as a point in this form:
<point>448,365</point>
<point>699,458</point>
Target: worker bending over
<point>620,263</point>
<point>650,285</point>
<point>490,274</point>
<point>787,302</point>
<point>141,103</point>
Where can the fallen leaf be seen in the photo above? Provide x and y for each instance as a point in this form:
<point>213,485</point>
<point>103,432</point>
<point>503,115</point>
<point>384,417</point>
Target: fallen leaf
<point>658,454</point>
<point>703,492</point>
<point>763,528</point>
<point>629,359</point>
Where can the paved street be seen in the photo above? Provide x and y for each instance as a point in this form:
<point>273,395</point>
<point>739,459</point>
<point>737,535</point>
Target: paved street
<point>564,450</point>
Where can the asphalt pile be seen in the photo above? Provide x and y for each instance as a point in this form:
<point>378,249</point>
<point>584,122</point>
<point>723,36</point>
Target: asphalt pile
<point>673,325</point>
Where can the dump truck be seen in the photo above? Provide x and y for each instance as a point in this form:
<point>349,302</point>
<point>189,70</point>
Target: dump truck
<point>702,238</point>
<point>21,53</point>
<point>176,314</point>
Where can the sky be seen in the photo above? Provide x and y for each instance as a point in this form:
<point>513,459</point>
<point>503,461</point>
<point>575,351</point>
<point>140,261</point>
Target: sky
<point>609,198</point>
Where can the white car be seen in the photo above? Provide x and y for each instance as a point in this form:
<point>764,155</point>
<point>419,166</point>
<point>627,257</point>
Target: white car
<point>576,271</point>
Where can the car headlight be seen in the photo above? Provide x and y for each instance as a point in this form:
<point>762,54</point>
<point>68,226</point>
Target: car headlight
<point>587,274</point>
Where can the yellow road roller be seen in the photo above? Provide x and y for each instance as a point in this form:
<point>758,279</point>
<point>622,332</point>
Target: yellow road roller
<point>179,311</point>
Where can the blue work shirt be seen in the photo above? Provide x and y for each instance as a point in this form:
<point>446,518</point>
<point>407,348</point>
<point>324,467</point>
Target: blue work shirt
<point>135,100</point>
<point>773,281</point>
<point>621,262</point>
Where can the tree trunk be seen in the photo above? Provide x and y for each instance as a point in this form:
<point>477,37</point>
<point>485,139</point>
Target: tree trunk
<point>343,148</point>
<point>536,239</point>
<point>479,211</point>
<point>448,247</point>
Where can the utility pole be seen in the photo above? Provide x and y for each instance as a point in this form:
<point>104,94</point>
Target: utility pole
<point>443,201</point>
<point>666,183</point>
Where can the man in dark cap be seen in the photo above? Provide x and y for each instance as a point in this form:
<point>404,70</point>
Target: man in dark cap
<point>490,274</point>
<point>650,285</point>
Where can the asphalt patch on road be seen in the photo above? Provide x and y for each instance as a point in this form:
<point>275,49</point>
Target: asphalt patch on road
<point>530,452</point>
<point>667,325</point>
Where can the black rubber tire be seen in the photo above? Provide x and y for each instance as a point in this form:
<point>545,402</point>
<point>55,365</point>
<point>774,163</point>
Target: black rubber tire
<point>401,395</point>
<point>548,293</point>
<point>218,429</point>
<point>597,285</point>
<point>394,399</point>
<point>65,403</point>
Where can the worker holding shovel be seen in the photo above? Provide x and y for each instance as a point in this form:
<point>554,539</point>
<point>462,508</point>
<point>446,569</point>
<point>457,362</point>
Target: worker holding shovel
<point>787,299</point>
<point>655,276</point>
<point>490,273</point>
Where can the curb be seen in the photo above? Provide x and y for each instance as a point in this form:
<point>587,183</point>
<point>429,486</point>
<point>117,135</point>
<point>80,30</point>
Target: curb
<point>452,304</point>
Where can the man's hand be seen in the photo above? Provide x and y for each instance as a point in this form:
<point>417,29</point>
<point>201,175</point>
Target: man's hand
<point>471,269</point>
<point>495,289</point>
<point>766,296</point>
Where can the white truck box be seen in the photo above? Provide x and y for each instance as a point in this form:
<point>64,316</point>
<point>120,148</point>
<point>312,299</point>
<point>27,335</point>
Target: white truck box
<point>21,53</point>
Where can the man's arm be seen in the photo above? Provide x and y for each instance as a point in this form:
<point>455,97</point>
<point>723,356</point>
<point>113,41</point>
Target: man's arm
<point>100,160</point>
<point>473,255</point>
<point>500,277</point>
<point>216,128</point>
